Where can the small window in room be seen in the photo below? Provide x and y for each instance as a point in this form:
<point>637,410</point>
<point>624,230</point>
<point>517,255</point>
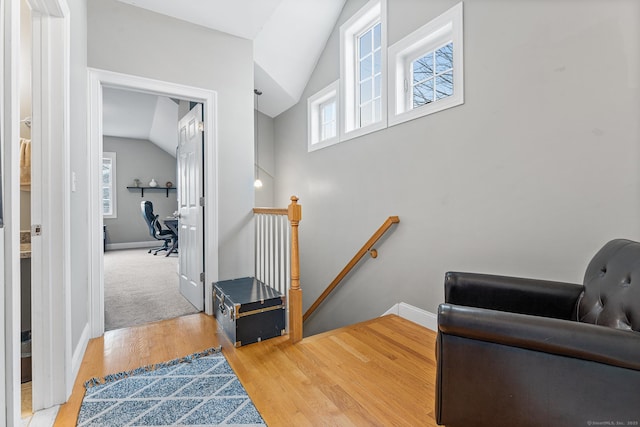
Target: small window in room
<point>328,120</point>
<point>431,77</point>
<point>109,185</point>
<point>362,71</point>
<point>426,73</point>
<point>322,118</point>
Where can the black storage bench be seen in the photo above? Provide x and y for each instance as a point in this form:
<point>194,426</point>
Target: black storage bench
<point>248,311</point>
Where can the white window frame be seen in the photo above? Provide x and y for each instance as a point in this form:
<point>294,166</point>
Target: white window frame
<point>374,11</point>
<point>314,122</point>
<point>114,197</point>
<point>447,27</point>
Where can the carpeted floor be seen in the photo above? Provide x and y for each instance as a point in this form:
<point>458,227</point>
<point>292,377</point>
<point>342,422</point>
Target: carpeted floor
<point>141,288</point>
<point>198,390</point>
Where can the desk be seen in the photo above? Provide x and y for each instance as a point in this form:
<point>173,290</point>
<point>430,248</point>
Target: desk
<point>172,224</point>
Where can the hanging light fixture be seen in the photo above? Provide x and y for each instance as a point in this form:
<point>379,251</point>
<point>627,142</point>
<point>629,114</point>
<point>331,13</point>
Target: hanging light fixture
<point>257,183</point>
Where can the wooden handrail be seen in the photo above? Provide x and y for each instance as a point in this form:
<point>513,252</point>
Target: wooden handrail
<point>368,247</point>
<point>271,211</point>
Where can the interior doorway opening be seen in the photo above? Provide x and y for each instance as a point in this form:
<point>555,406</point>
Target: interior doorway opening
<point>140,188</point>
<point>100,80</point>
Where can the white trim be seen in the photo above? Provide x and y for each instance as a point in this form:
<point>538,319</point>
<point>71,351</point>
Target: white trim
<point>44,418</point>
<point>102,78</point>
<point>314,102</point>
<point>348,31</point>
<point>414,314</point>
<point>444,28</point>
<point>9,235</point>
<point>133,245</point>
<point>78,353</point>
<point>51,253</point>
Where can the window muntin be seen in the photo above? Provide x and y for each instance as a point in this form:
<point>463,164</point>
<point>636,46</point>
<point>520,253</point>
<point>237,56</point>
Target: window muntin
<point>328,120</point>
<point>431,76</point>
<point>426,69</point>
<point>323,118</point>
<point>109,185</point>
<point>370,75</point>
<point>363,56</point>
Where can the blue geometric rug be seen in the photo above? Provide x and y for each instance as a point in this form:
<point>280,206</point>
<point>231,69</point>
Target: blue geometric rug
<point>197,390</point>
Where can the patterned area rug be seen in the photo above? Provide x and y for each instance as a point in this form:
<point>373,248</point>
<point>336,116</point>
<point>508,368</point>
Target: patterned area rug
<point>197,390</point>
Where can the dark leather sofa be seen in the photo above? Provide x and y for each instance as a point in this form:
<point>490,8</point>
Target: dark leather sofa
<point>523,352</point>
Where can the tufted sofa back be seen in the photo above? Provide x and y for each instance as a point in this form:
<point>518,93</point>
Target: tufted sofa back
<point>611,294</point>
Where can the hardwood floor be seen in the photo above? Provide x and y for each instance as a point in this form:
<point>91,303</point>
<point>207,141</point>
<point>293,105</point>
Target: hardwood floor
<point>376,373</point>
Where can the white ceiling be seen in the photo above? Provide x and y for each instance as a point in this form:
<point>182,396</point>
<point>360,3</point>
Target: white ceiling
<point>288,36</point>
<point>139,115</point>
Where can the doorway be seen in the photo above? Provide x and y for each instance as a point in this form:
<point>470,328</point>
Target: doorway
<point>139,169</point>
<point>98,80</point>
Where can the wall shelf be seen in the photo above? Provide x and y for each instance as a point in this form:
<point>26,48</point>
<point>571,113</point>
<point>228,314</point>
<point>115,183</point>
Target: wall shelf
<point>151,188</point>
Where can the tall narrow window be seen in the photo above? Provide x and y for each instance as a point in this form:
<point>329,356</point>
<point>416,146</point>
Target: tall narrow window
<point>363,47</point>
<point>370,75</point>
<point>109,185</point>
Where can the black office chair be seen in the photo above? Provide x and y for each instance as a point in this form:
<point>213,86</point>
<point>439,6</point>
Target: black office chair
<point>155,228</point>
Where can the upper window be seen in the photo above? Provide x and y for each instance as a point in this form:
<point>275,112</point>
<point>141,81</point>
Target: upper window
<point>427,68</point>
<point>362,76</point>
<point>109,185</point>
<point>431,77</point>
<point>323,118</point>
<point>328,120</point>
<point>370,76</point>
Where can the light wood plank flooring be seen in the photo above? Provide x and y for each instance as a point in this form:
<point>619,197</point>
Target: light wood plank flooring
<point>376,373</point>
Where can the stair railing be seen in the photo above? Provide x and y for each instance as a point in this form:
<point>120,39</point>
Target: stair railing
<point>367,248</point>
<point>277,261</point>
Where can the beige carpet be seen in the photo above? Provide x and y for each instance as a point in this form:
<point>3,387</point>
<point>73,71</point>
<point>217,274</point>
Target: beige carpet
<point>141,288</point>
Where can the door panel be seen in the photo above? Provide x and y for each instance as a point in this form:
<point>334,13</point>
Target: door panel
<point>190,190</point>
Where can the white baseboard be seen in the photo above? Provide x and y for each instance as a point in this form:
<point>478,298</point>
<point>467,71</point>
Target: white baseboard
<point>133,245</point>
<point>414,314</point>
<point>78,353</point>
<point>44,418</point>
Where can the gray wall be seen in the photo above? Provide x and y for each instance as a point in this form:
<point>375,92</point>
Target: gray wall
<point>79,199</point>
<point>137,158</point>
<point>134,41</point>
<point>266,160</point>
<point>529,177</point>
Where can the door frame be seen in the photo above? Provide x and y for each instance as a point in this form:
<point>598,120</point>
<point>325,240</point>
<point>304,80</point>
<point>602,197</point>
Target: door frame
<point>98,79</point>
<point>51,319</point>
<point>52,371</point>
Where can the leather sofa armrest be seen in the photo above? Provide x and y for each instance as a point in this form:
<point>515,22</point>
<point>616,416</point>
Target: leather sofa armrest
<point>566,338</point>
<point>513,294</point>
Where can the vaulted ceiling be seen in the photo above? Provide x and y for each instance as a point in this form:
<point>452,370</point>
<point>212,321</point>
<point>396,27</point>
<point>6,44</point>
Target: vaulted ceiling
<point>288,37</point>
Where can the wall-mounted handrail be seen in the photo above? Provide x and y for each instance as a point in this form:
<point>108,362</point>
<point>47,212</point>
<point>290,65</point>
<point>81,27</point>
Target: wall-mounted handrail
<point>367,248</point>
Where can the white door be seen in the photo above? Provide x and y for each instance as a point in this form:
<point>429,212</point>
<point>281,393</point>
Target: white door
<point>190,241</point>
